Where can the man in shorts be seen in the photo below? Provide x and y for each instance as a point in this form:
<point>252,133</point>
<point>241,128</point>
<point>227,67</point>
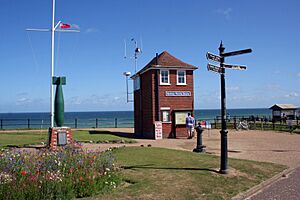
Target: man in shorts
<point>190,121</point>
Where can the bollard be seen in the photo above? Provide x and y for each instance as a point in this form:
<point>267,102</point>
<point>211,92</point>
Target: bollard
<point>75,122</point>
<point>199,148</point>
<point>96,122</point>
<point>28,123</point>
<point>116,123</point>
<point>234,123</point>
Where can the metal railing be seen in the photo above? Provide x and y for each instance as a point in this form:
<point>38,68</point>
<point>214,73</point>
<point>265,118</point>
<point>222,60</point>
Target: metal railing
<point>73,123</point>
<point>254,123</point>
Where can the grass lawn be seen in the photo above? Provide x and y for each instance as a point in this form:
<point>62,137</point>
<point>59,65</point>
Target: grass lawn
<point>29,138</point>
<point>99,137</point>
<point>22,138</point>
<point>156,173</point>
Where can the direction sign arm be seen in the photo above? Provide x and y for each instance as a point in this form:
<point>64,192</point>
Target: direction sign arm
<point>239,67</point>
<point>234,53</point>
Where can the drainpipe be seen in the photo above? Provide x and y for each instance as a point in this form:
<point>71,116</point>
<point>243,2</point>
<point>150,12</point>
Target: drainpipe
<point>141,109</point>
<point>158,116</point>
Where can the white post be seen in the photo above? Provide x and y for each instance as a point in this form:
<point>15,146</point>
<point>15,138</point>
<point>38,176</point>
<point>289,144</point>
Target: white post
<point>52,66</point>
<point>53,29</point>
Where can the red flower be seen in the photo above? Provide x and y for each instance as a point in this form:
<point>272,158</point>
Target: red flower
<point>32,177</point>
<point>22,173</point>
<point>81,178</point>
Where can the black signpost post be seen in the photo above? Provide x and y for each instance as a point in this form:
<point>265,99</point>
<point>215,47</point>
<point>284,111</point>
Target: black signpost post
<point>221,70</point>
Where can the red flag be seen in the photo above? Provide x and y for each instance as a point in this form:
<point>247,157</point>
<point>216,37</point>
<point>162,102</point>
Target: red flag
<point>64,25</point>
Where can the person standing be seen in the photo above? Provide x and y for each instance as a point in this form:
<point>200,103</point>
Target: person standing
<point>190,121</point>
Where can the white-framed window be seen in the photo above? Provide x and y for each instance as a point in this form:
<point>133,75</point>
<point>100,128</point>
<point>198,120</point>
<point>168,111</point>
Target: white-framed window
<point>136,83</point>
<point>165,112</point>
<point>181,77</point>
<point>164,77</point>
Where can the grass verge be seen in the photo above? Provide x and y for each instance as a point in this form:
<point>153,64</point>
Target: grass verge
<point>21,139</point>
<point>156,173</point>
<point>100,137</point>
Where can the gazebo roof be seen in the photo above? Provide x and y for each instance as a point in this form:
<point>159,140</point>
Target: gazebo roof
<point>284,107</point>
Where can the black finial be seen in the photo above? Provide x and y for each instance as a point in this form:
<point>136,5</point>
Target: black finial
<point>221,48</point>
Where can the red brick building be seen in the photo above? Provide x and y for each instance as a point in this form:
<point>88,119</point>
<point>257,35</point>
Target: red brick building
<point>163,91</point>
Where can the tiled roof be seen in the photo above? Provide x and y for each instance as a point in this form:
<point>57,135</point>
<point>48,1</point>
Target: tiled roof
<point>284,106</point>
<point>166,60</point>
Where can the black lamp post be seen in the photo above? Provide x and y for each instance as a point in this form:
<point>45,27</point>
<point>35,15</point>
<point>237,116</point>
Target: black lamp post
<point>221,70</point>
<point>224,149</point>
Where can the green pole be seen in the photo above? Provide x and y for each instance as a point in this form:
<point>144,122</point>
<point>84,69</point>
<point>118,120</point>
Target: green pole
<point>59,101</point>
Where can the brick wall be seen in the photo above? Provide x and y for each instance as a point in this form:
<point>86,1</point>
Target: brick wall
<point>144,118</point>
<point>144,106</point>
<point>177,102</point>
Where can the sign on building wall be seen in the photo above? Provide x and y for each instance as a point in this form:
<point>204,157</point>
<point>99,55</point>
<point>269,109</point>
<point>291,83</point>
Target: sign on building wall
<point>180,117</point>
<point>158,130</point>
<point>178,93</point>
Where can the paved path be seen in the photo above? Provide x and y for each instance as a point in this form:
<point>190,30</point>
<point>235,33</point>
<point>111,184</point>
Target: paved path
<point>286,188</point>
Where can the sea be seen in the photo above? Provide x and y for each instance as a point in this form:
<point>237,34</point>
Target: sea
<point>105,119</point>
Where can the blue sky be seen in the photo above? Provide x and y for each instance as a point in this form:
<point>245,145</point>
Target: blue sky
<point>93,62</point>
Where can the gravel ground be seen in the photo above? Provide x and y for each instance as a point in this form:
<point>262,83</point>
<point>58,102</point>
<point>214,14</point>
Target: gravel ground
<point>269,146</point>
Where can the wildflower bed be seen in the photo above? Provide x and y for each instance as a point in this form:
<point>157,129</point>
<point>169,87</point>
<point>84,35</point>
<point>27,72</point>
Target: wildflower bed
<point>66,173</point>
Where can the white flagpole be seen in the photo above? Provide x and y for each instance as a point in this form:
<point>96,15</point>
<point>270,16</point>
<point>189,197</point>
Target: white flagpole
<point>52,66</point>
<point>53,29</point>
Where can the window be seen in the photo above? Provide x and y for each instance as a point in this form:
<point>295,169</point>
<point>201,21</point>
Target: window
<point>181,78</point>
<point>164,77</point>
<point>137,83</point>
<point>166,116</point>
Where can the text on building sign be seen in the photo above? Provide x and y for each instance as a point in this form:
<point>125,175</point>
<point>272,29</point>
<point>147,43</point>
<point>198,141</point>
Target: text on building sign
<point>178,93</point>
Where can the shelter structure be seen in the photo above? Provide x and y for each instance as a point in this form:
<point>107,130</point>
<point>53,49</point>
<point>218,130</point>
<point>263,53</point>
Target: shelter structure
<point>163,96</point>
<point>283,111</point>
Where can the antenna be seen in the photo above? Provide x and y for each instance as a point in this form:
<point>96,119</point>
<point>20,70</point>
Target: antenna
<point>141,42</point>
<point>137,51</point>
<point>125,54</point>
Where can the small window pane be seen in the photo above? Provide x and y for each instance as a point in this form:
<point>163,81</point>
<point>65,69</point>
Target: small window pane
<point>164,76</point>
<point>181,77</point>
<point>137,83</point>
<point>166,116</point>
